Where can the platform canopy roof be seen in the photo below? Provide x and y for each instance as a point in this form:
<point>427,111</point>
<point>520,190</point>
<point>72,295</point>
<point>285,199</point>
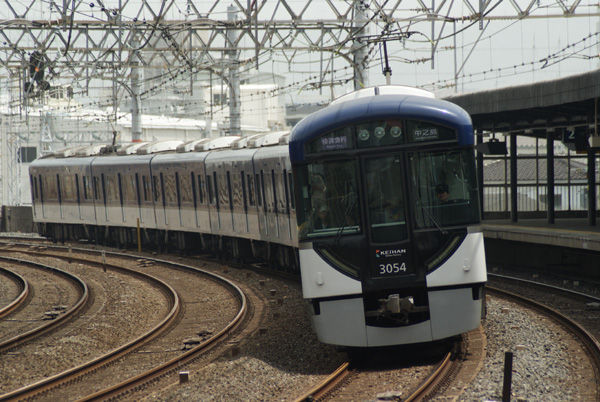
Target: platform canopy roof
<point>536,108</point>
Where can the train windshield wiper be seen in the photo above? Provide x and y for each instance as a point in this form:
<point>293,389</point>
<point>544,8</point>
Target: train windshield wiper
<point>430,216</point>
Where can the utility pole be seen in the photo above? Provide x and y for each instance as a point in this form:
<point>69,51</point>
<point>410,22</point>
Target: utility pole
<point>359,48</point>
<point>136,120</point>
<point>234,75</point>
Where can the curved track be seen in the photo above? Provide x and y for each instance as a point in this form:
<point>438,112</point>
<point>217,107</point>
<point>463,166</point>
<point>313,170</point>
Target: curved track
<point>69,314</point>
<point>169,366</point>
<point>23,287</point>
<point>587,339</point>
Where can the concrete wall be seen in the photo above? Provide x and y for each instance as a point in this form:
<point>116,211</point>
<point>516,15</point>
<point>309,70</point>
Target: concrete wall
<point>16,219</point>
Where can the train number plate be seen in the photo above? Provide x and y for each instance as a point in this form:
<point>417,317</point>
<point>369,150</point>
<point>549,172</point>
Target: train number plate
<point>392,268</point>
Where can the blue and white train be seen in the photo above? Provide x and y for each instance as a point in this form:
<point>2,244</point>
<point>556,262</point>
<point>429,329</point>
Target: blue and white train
<point>373,199</point>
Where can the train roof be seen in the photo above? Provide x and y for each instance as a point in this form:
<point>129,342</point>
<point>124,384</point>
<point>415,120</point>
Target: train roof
<point>380,103</point>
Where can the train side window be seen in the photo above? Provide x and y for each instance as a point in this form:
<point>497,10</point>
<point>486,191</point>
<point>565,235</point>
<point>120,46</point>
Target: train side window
<point>162,189</point>
<point>274,185</point>
<point>155,188</point>
<point>200,190</point>
<point>103,183</point>
<point>287,191</point>
<point>85,190</point>
<point>291,189</point>
<point>41,188</point>
<point>112,189</point>
<point>193,184</point>
<point>137,189</point>
<point>258,189</point>
<point>77,188</point>
<point>178,189</point>
<point>120,186</point>
<point>96,188</point>
<point>187,190</point>
<point>211,193</point>
<point>32,186</point>
<point>262,189</point>
<point>244,195</point>
<point>229,190</point>
<point>216,184</point>
<point>145,188</point>
<point>251,200</point>
<point>58,189</point>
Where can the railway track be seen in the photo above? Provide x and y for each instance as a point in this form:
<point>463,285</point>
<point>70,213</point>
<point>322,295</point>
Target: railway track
<point>22,289</point>
<point>137,381</point>
<point>567,314</point>
<point>60,319</point>
<point>447,365</point>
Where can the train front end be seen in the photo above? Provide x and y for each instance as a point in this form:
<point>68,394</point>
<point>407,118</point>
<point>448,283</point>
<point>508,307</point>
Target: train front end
<point>390,247</point>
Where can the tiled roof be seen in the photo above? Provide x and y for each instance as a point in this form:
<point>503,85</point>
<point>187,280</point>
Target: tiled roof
<point>526,170</point>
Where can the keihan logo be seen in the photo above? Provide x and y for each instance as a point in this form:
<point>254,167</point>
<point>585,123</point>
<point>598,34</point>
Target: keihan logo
<point>390,253</point>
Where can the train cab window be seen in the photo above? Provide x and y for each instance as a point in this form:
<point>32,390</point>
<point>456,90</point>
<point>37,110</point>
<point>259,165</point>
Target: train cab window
<point>328,200</point>
<point>385,199</point>
<point>211,192</point>
<point>444,188</point>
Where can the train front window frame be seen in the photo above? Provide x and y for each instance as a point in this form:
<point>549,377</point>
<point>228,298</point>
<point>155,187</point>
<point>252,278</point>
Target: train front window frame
<point>329,205</point>
<point>385,197</point>
<point>444,188</point>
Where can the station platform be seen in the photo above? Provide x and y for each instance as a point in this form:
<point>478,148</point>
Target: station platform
<point>574,233</point>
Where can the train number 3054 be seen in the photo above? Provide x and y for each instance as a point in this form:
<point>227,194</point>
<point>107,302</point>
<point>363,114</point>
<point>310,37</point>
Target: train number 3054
<point>393,268</point>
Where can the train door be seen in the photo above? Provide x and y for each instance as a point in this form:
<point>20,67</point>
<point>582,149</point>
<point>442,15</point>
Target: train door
<point>391,257</point>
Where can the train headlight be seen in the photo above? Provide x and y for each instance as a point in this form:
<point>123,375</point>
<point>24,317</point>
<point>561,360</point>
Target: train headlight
<point>363,134</point>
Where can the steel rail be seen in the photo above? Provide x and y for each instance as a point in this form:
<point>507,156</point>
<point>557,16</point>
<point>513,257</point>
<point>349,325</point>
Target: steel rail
<point>21,297</point>
<point>72,374</point>
<point>69,314</point>
<point>438,375</point>
<point>588,340</point>
<point>321,389</point>
<point>177,362</point>
<point>162,369</point>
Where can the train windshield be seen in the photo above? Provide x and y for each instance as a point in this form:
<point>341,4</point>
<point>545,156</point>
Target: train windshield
<point>328,199</point>
<point>444,187</point>
<point>385,199</point>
